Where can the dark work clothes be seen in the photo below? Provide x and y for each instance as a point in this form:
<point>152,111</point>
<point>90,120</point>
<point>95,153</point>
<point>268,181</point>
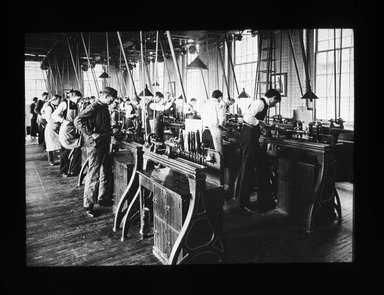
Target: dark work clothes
<point>69,166</point>
<point>94,119</point>
<point>40,122</point>
<point>252,156</point>
<point>34,127</point>
<point>207,140</point>
<point>98,181</point>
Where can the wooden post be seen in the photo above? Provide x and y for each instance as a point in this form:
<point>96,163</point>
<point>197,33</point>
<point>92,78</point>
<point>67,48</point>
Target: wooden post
<point>334,69</point>
<point>341,58</point>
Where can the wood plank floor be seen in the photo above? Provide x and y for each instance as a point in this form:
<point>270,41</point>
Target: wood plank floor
<point>59,233</point>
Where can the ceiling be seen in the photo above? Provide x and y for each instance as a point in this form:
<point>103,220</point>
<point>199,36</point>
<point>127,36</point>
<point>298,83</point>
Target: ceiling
<point>55,44</point>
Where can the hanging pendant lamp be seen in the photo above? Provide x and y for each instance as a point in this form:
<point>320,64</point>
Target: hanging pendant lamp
<point>104,75</point>
<point>157,84</point>
<point>309,95</point>
<point>243,94</point>
<point>146,92</point>
<point>197,64</point>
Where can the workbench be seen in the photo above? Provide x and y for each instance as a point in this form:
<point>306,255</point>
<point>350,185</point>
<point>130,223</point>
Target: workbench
<point>304,179</point>
<point>187,210</point>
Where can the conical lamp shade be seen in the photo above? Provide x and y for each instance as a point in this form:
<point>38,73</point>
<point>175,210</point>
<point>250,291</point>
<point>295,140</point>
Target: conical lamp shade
<point>157,84</point>
<point>243,94</point>
<point>309,95</point>
<point>146,92</point>
<point>104,75</point>
<point>197,64</point>
<point>180,97</point>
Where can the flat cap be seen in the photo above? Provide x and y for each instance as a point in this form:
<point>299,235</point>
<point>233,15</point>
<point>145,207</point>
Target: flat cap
<point>111,91</point>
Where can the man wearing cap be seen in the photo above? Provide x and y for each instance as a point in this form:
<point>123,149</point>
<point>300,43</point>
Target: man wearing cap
<point>95,124</point>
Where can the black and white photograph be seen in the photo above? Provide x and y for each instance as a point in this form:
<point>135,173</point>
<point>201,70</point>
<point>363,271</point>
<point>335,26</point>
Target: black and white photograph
<point>189,147</point>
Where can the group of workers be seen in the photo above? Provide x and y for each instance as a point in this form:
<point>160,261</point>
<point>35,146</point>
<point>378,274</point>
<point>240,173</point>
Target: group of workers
<point>69,123</point>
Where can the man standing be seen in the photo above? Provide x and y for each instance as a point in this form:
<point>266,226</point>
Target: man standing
<point>95,124</point>
<point>41,122</point>
<point>213,117</point>
<point>251,153</point>
<point>156,110</point>
<point>66,113</point>
<point>33,118</point>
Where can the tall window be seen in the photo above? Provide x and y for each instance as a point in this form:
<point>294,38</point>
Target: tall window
<point>245,67</point>
<point>325,79</point>
<point>89,83</point>
<point>34,85</point>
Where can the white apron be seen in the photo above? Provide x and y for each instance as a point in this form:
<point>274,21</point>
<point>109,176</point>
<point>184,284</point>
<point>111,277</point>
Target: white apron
<point>51,137</point>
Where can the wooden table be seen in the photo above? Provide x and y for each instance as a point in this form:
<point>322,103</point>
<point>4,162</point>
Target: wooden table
<point>304,179</point>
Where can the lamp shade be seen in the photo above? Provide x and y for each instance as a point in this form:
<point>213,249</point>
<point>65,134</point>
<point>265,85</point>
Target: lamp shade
<point>243,94</point>
<point>104,75</point>
<point>157,84</point>
<point>197,64</point>
<point>146,92</point>
<point>309,95</point>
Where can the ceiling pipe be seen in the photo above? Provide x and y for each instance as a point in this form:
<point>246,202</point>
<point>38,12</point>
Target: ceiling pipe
<point>294,60</point>
<point>166,66</point>
<point>222,66</point>
<point>89,63</point>
<point>73,62</point>
<point>126,62</point>
<point>176,64</point>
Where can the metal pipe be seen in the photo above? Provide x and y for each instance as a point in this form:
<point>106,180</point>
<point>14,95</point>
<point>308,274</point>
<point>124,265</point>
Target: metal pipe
<point>166,66</point>
<point>307,80</point>
<point>257,76</point>
<point>208,65</point>
<point>176,64</point>
<point>205,87</point>
<point>294,60</point>
<point>126,62</point>
<point>106,37</point>
<point>341,57</point>
<point>73,62</point>
<point>155,70</point>
<point>232,67</point>
<point>89,63</point>
<point>334,69</point>
<point>281,55</point>
<point>144,119</point>
<point>222,65</point>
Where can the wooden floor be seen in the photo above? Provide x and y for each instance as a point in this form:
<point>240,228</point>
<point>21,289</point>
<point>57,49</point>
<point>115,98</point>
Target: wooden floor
<point>59,233</point>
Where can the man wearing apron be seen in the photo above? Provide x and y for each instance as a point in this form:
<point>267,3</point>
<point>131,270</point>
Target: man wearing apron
<point>66,113</point>
<point>51,131</point>
<point>251,154</point>
<point>95,125</point>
